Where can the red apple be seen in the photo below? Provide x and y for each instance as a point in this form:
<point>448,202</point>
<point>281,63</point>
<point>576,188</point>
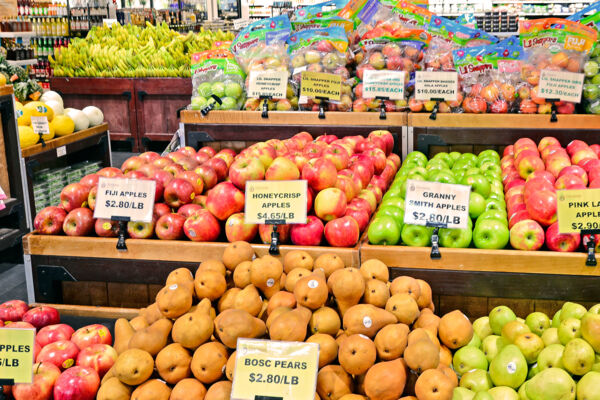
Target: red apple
<point>547,141</point>
<point>200,200</point>
<point>90,180</point>
<point>53,333</point>
<point>387,138</point>
<point>320,173</point>
<point>224,200</point>
<point>140,230</point>
<point>159,210</point>
<point>201,157</point>
<point>582,155</point>
<point>396,159</point>
<point>509,150</point>
<point>132,164</point>
<point>265,231</point>
<point>309,234</point>
<point>106,228</point>
<point>337,155</point>
<point>62,353</point>
<point>13,310</point>
<point>364,171</point>
<point>73,196</point>
<point>589,164</point>
<point>524,142</point>
<point>110,172</point>
<point>246,169</point>
<point>162,162</point>
<point>99,357</point>
<point>188,151</point>
<point>576,145</point>
<point>149,156</point>
<point>188,164</point>
<point>330,203</point>
<point>282,169</point>
<point>189,209</point>
<point>575,170</point>
<point>360,215</point>
<point>79,222</point>
<point>542,174</point>
<point>49,221</point>
<point>162,176</point>
<point>42,316</point>
<point>541,205</point>
<point>517,217</point>
<point>202,226</point>
<point>527,235</point>
<point>44,377</point>
<point>170,226</point>
<point>208,175</point>
<point>77,383</point>
<point>569,181</point>
<point>556,241</point>
<point>347,185</point>
<point>219,166</point>
<point>342,232</point>
<point>236,229</point>
<point>135,175</point>
<point>208,150</point>
<point>174,169</point>
<point>179,192</point>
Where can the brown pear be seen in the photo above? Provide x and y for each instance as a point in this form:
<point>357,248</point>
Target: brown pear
<point>236,253</point>
<point>352,397</point>
<point>248,299</point>
<point>153,338</point>
<point>455,330</point>
<point>151,313</point>
<point>231,324</point>
<point>212,265</point>
<point>189,388</point>
<point>428,320</point>
<point>333,382</point>
<point>173,363</point>
<point>325,320</point>
<point>422,355</point>
<point>420,333</point>
<point>208,363</point>
<point>347,287</point>
<point>205,306</point>
<point>425,296</point>
<point>357,354</point>
<point>113,389</point>
<point>290,326</point>
<point>265,274</point>
<point>181,276</point>
<point>281,299</point>
<point>297,259</point>
<point>154,389</point>
<point>294,276</point>
<point>404,307</point>
<point>449,372</point>
<point>109,374</point>
<point>230,367</point>
<point>241,275</point>
<point>367,319</point>
<point>138,323</point>
<point>406,284</point>
<point>434,384</point>
<point>282,281</point>
<point>445,355</point>
<point>275,314</point>
<point>359,385</point>
<point>123,333</point>
<point>311,291</point>
<point>391,341</point>
<point>385,380</point>
<point>377,293</point>
<point>328,263</point>
<point>328,348</point>
<point>174,300</point>
<point>227,301</point>
<point>375,269</point>
<point>219,391</point>
<point>133,367</point>
<point>340,337</point>
<point>209,284</point>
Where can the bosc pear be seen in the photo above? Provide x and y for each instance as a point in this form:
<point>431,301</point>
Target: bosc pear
<point>509,367</point>
<point>551,384</point>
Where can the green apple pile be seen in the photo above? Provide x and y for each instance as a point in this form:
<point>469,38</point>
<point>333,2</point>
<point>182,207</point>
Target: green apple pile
<point>537,358</point>
<point>230,92</point>
<point>488,225</point>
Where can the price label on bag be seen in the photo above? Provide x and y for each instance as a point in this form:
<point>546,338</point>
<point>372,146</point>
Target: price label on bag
<point>276,202</point>
<point>436,204</point>
<point>578,210</point>
<point>564,86</point>
<point>436,85</point>
<point>268,84</point>
<point>284,370</point>
<point>384,84</point>
<point>40,125</point>
<point>16,354</point>
<point>320,84</point>
<point>129,198</point>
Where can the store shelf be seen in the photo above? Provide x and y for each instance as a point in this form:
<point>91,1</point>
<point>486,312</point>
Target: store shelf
<point>48,16</point>
<point>506,121</point>
<point>10,206</point>
<point>9,238</point>
<point>21,63</point>
<point>63,141</point>
<point>16,34</point>
<point>69,310</point>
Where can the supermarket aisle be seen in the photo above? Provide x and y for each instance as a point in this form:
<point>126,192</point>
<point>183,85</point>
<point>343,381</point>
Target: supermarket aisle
<point>12,282</point>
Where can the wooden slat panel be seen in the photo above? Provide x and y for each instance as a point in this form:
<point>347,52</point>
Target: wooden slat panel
<point>90,311</point>
<point>131,295</point>
<point>152,292</point>
<point>521,307</point>
<point>85,293</point>
<point>508,121</point>
<point>64,140</point>
<point>472,307</point>
<point>548,307</point>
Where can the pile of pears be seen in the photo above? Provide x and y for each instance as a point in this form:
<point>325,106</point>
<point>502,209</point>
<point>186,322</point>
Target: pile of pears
<point>537,358</point>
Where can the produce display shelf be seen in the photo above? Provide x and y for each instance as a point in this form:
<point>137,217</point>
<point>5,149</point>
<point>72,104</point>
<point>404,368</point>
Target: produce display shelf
<point>9,237</point>
<point>505,121</point>
<point>63,141</point>
<point>16,34</point>
<point>10,206</point>
<point>78,316</point>
<point>21,63</point>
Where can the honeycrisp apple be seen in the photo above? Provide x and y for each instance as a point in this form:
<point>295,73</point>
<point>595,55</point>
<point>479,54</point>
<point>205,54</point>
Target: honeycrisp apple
<point>44,377</point>
<point>342,232</point>
<point>330,203</point>
<point>202,226</point>
<point>557,241</point>
<point>309,234</point>
<point>225,200</point>
<point>62,353</point>
<point>99,357</point>
<point>527,235</point>
<point>50,220</point>
<point>282,169</point>
<point>77,383</point>
<point>236,229</point>
<point>320,173</point>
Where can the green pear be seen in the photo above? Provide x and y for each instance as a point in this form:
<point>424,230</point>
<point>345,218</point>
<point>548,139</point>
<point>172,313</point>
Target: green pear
<point>483,396</point>
<point>460,393</point>
<point>503,393</point>
<point>596,366</point>
<point>512,329</point>
<point>522,393</point>
<point>499,316</point>
<point>492,345</point>
<point>520,320</point>
<point>530,345</point>
<point>571,310</point>
<point>468,358</point>
<point>509,367</point>
<point>550,336</point>
<point>595,309</point>
<point>482,327</point>
<point>588,387</point>
<point>551,384</point>
<point>533,371</point>
<point>569,329</point>
<point>476,380</point>
<point>556,320</point>
<point>551,357</point>
<point>590,329</point>
<point>578,357</point>
<point>538,322</point>
<point>475,341</point>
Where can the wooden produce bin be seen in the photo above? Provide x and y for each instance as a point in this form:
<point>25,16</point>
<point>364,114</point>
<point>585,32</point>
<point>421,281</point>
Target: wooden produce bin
<point>80,316</point>
<point>123,278</point>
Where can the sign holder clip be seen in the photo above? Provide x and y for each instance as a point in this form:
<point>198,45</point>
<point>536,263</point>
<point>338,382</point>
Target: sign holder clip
<point>435,248</point>
<point>274,247</point>
<point>209,107</point>
<point>553,117</point>
<point>121,246</point>
<point>382,114</point>
<point>591,249</point>
<point>322,106</point>
<point>436,108</point>
<point>265,108</point>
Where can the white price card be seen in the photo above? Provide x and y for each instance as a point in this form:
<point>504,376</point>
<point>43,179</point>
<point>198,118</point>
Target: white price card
<point>275,202</point>
<point>560,85</point>
<point>384,84</point>
<point>125,198</point>
<point>431,85</point>
<point>268,84</point>
<point>61,151</point>
<point>436,204</point>
<point>40,125</point>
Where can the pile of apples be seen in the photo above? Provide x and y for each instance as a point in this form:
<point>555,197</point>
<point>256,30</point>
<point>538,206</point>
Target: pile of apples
<point>68,363</point>
<point>486,202</point>
<point>200,194</point>
<point>537,358</point>
<point>532,174</point>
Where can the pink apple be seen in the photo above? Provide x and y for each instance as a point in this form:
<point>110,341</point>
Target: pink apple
<point>555,164</point>
<point>370,197</point>
<point>575,145</point>
<point>90,180</point>
<point>594,174</point>
<point>528,165</point>
<point>514,191</point>
<point>62,353</point>
<point>53,333</point>
<point>91,334</point>
<point>509,150</point>
<point>517,217</point>
<point>337,155</point>
<point>149,156</point>
<point>527,235</point>
<point>569,181</point>
<point>44,377</point>
<point>541,205</point>
<point>236,229</point>
<point>282,169</point>
<point>265,231</point>
<point>525,152</point>
<point>19,325</point>
<point>77,383</point>
<point>542,174</point>
<point>309,234</point>
<point>524,142</point>
<point>515,183</point>
<point>511,176</point>
<point>596,149</point>
<point>209,176</point>
<point>582,155</point>
<point>99,357</point>
<point>320,173</point>
<point>179,192</point>
<point>110,172</point>
<point>246,169</point>
<point>552,150</point>
<point>330,203</point>
<point>73,196</point>
<point>202,226</point>
<point>106,228</point>
<point>536,185</point>
<point>224,200</point>
<point>595,184</point>
<point>193,178</point>
<point>575,170</point>
<point>379,182</point>
<point>13,310</point>
<point>396,159</point>
<point>360,215</point>
<point>189,209</point>
<point>589,164</point>
<point>50,220</point>
<point>140,230</point>
<point>378,157</point>
<point>342,232</point>
<point>170,226</point>
<point>547,141</point>
<point>556,241</point>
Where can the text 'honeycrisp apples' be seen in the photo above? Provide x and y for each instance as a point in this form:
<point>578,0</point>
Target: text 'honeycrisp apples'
<point>16,355</point>
<point>276,369</point>
<point>435,204</point>
<point>125,199</point>
<point>578,210</point>
<point>275,202</point>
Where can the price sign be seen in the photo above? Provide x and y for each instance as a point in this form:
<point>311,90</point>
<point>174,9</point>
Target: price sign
<point>386,84</point>
<point>578,210</point>
<point>61,151</point>
<point>275,202</point>
<point>268,84</point>
<point>285,370</point>
<point>16,354</point>
<point>110,22</point>
<point>40,125</point>
<point>436,85</point>
<point>436,204</point>
<point>564,86</point>
<point>320,84</point>
<point>129,198</point>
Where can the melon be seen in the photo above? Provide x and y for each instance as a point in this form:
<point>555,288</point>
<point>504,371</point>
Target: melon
<point>23,115</point>
<point>63,125</point>
<point>94,114</point>
<point>27,137</point>
<point>51,95</point>
<point>79,118</point>
<point>39,109</point>
<point>56,106</point>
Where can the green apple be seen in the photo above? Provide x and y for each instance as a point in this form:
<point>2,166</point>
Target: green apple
<point>417,171</point>
<point>482,327</point>
<point>486,160</point>
<point>509,367</point>
<point>478,183</point>
<point>218,89</point>
<point>404,185</point>
<point>498,197</point>
<point>489,154</point>
<point>498,215</point>
<point>416,235</point>
<point>503,393</point>
<point>476,204</point>
<point>395,201</point>
<point>512,329</point>
<point>492,175</point>
<point>572,310</point>
<point>551,383</point>
<point>384,230</point>
<point>483,396</point>
<point>443,176</point>
<point>556,319</point>
<point>491,166</point>
<point>204,89</point>
<point>469,156</point>
<point>530,345</point>
<point>491,346</point>
<point>578,357</point>
<point>551,356</point>
<point>496,187</point>
<point>229,103</point>
<point>394,191</point>
<point>436,163</point>
<point>500,316</point>
<point>463,164</point>
<point>568,330</point>
<point>233,89</point>
<point>416,155</point>
<point>493,204</point>
<point>472,171</point>
<point>522,394</point>
<point>475,341</point>
<point>395,212</point>
<point>476,380</point>
<point>467,358</point>
<point>198,103</point>
<point>538,322</point>
<point>590,329</point>
<point>454,155</point>
<point>490,234</point>
<point>461,393</point>
<point>588,386</point>
<point>550,336</point>
<point>455,237</point>
<point>533,370</point>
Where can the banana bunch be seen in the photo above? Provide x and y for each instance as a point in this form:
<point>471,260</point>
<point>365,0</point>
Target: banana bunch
<point>131,51</point>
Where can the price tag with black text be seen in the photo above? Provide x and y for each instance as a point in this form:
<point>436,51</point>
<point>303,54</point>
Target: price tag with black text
<point>578,210</point>
<point>560,85</point>
<point>268,84</point>
<point>384,84</point>
<point>16,355</point>
<point>125,198</point>
<point>321,85</point>
<point>430,85</point>
<point>436,204</point>
<point>283,370</point>
<point>276,202</point>
<point>40,125</point>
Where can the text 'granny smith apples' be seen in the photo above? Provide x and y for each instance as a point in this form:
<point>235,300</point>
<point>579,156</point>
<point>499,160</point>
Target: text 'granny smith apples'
<point>487,225</point>
<point>510,358</point>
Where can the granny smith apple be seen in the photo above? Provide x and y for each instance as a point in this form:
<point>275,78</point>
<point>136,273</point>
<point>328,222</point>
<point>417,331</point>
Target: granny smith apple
<point>445,157</point>
<point>462,164</point>
<point>469,156</point>
<point>476,204</point>
<point>478,183</point>
<point>473,171</point>
<point>229,103</point>
<point>384,230</point>
<point>490,234</point>
<point>416,235</point>
<point>497,196</point>
<point>492,175</point>
<point>204,89</point>
<point>500,316</point>
<point>491,166</point>
<point>417,171</point>
<point>435,168</point>
<point>396,213</point>
<point>467,358</point>
<point>394,191</point>
<point>454,155</point>
<point>233,89</point>
<point>437,162</point>
<point>443,176</point>
<point>394,201</point>
<point>218,89</point>
<point>489,154</point>
<point>198,103</point>
<point>416,155</point>
<point>499,215</point>
<point>493,204</point>
<point>455,237</point>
